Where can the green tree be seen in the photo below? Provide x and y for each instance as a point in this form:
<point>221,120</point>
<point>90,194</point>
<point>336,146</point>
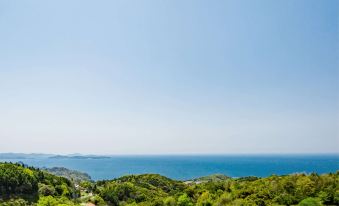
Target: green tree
<point>184,200</point>
<point>46,190</point>
<point>97,200</point>
<point>47,201</point>
<point>205,199</point>
<point>311,201</point>
<point>169,201</point>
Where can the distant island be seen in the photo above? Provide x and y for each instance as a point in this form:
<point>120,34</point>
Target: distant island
<point>23,185</point>
<point>23,155</point>
<point>79,157</point>
<point>51,156</point>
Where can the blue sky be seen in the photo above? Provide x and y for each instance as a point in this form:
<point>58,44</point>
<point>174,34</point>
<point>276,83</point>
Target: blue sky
<point>169,77</point>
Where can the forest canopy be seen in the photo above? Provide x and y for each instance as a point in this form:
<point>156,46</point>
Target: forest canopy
<point>22,185</point>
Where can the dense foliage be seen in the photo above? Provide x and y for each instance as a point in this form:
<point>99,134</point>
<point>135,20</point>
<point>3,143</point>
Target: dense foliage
<point>293,189</point>
<point>17,182</point>
<point>27,184</point>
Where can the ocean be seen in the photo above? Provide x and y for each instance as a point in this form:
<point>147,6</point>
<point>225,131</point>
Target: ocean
<point>192,166</point>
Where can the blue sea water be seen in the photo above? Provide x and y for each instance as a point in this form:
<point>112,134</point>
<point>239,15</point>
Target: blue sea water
<point>189,167</point>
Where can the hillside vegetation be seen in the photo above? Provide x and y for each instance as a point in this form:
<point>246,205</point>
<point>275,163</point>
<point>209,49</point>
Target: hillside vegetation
<point>73,175</point>
<point>20,185</point>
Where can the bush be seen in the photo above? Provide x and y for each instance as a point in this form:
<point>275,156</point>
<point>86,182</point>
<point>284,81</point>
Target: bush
<point>311,201</point>
<point>184,200</point>
<point>46,190</point>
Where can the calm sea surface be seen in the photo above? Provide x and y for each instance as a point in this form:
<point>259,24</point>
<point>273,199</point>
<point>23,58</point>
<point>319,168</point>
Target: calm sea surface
<point>188,167</point>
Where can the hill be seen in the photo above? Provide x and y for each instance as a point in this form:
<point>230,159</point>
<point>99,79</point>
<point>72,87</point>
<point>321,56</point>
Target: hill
<point>73,175</point>
<point>212,178</point>
<point>22,185</point>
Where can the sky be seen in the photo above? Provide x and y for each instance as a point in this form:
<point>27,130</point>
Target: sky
<point>169,76</point>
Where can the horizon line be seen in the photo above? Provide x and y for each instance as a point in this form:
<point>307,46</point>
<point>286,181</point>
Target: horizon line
<point>168,154</point>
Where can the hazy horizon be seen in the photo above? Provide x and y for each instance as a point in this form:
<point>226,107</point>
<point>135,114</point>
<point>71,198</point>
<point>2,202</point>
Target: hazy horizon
<point>169,154</point>
<point>169,77</point>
